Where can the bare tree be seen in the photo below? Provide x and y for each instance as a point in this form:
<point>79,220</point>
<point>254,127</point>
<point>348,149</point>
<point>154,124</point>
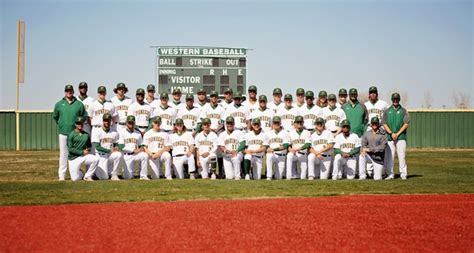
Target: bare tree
<point>427,100</point>
<point>461,100</point>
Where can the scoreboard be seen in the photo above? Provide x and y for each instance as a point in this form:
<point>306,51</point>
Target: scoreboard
<point>192,68</point>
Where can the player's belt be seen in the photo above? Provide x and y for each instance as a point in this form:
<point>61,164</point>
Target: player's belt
<point>310,129</point>
<point>142,126</point>
<point>128,153</point>
<point>302,153</point>
<point>258,156</point>
<point>166,131</point>
<point>189,130</point>
<point>335,131</point>
<point>280,154</point>
<point>97,126</point>
<point>122,123</point>
<point>104,154</point>
<point>323,155</point>
<point>178,155</point>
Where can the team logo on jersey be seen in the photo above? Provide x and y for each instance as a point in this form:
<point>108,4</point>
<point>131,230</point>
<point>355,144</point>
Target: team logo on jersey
<point>288,116</point>
<point>130,141</point>
<point>206,143</point>
<point>255,142</point>
<point>101,112</point>
<point>298,142</point>
<point>375,111</point>
<point>107,140</point>
<point>166,116</point>
<point>333,117</point>
<point>143,112</point>
<point>189,117</point>
<point>264,118</point>
<point>180,143</point>
<point>320,142</point>
<point>214,115</point>
<point>275,140</point>
<point>231,141</point>
<point>347,145</point>
<point>121,107</point>
<point>310,116</point>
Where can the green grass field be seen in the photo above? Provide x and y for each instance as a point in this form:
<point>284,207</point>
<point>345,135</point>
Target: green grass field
<point>30,178</point>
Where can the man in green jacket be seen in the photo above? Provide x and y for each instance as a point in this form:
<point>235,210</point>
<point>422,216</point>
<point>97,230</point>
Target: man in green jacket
<point>356,113</point>
<point>395,121</point>
<point>65,113</point>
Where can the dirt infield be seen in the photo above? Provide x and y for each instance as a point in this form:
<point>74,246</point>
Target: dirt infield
<point>430,223</point>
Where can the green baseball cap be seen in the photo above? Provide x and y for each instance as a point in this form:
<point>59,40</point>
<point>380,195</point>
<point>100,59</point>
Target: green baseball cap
<point>256,121</point>
<point>299,91</point>
<point>206,121</point>
<point>230,120</point>
<point>201,90</point>
<point>299,119</point>
<point>276,119</point>
<point>179,121</point>
<point>121,86</point>
<point>277,91</point>
<point>309,94</point>
<point>140,91</point>
<point>189,97</point>
<point>83,85</point>
<point>262,98</point>
<point>80,120</point>
<point>288,96</point>
<point>322,94</point>
<point>332,96</point>
<point>319,120</point>
<point>373,89</point>
<point>252,88</point>
<point>156,119</point>
<point>130,118</point>
<point>353,91</point>
<point>68,88</point>
<point>238,95</point>
<point>375,120</point>
<point>213,94</point>
<point>177,91</point>
<point>164,95</point>
<point>101,89</point>
<point>150,87</point>
<point>345,123</point>
<point>395,96</point>
<point>228,90</point>
<point>342,92</point>
<point>107,117</point>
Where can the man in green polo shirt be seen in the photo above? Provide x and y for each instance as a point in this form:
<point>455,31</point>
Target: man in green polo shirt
<point>395,121</point>
<point>356,113</point>
<point>65,113</point>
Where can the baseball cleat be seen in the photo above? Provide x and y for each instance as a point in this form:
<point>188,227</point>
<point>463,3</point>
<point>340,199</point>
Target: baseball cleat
<point>115,178</point>
<point>192,177</point>
<point>311,178</point>
<point>404,177</point>
<point>269,179</point>
<point>144,178</point>
<point>213,176</point>
<point>389,177</point>
<point>247,177</point>
<point>169,178</point>
<point>62,179</point>
<point>88,179</point>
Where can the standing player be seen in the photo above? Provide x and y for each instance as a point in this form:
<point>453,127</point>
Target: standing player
<point>333,115</point>
<point>251,103</point>
<point>202,100</point>
<point>346,147</point>
<point>373,146</point>
<point>288,113</point>
<point>141,111</point>
<point>238,112</point>
<point>182,143</point>
<point>299,98</point>
<point>228,100</point>
<point>375,106</point>
<point>319,158</point>
<point>396,120</point>
<point>131,144</point>
<point>166,113</point>
<point>176,103</point>
<point>150,98</point>
<point>99,108</point>
<point>278,142</point>
<point>342,98</point>
<point>231,145</point>
<point>255,142</point>
<point>310,112</point>
<point>65,113</point>
<point>298,152</point>
<point>121,103</point>
<point>206,145</point>
<point>190,115</point>
<point>276,104</point>
<point>87,101</point>
<point>105,141</point>
<point>322,99</point>
<point>157,145</point>
<point>264,114</point>
<point>356,113</point>
<point>79,146</point>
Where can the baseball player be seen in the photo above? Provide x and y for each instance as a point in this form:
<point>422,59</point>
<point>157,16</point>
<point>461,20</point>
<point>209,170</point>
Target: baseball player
<point>346,148</point>
<point>251,103</point>
<point>298,151</point>
<point>342,98</point>
<point>373,147</point>
<point>202,100</point>
<point>228,100</point>
<point>176,103</point>
<point>150,97</point>
<point>131,144</point>
<point>231,144</point>
<point>276,104</point>
<point>319,158</point>
<point>278,142</point>
<point>238,112</point>
<point>322,99</point>
<point>255,142</point>
<point>105,141</point>
<point>141,111</point>
<point>375,106</point>
<point>182,143</point>
<point>157,145</point>
<point>310,111</point>
<point>166,113</point>
<point>99,108</point>
<point>356,113</point>
<point>121,103</point>
<point>288,113</point>
<point>396,120</point>
<point>87,101</point>
<point>299,98</point>
<point>333,115</point>
<point>206,145</point>
<point>79,146</point>
<point>264,114</point>
<point>65,113</point>
<point>191,115</point>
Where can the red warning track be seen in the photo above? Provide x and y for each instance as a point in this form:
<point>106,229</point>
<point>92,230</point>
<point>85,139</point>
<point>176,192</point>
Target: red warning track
<point>430,223</point>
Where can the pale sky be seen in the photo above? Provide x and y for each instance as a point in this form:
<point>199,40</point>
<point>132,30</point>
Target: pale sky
<point>413,47</point>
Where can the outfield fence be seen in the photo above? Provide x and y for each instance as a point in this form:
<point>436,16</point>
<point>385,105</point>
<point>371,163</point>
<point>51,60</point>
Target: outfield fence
<point>428,129</point>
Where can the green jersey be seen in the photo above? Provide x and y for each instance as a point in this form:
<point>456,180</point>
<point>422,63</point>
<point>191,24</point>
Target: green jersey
<point>358,117</point>
<point>77,143</point>
<point>65,114</point>
<point>395,118</point>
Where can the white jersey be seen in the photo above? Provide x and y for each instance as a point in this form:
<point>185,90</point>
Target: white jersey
<point>299,106</point>
<point>298,140</point>
<point>376,110</point>
<point>231,141</point>
<point>255,141</point>
<point>226,105</point>
<point>333,117</point>
<point>87,102</point>
<point>320,141</point>
<point>339,105</point>
<point>250,107</point>
<point>156,141</point>
<point>98,109</point>
<point>168,116</point>
<point>106,139</point>
<point>206,142</point>
<point>131,140</point>
<point>142,113</point>
<point>180,143</point>
<point>310,115</point>
<point>189,117</point>
<point>121,106</point>
<point>288,117</point>
<point>275,107</point>
<point>177,106</point>
<point>240,115</point>
<point>265,117</point>
<point>153,104</point>
<point>347,144</point>
<point>214,114</point>
<point>199,105</point>
<point>275,140</point>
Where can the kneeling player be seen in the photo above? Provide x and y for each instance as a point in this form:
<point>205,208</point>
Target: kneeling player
<point>183,149</point>
<point>105,141</point>
<point>157,146</point>
<point>319,158</point>
<point>374,143</point>
<point>131,144</point>
<point>298,152</point>
<point>346,147</point>
<point>278,142</point>
<point>255,141</point>
<point>231,144</point>
<point>206,144</point>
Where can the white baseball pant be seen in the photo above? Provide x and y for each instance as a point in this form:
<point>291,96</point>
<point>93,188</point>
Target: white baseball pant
<point>400,146</point>
<point>63,153</point>
<point>363,161</point>
<point>89,160</point>
<point>120,128</point>
<point>108,164</point>
<point>346,165</point>
<point>129,167</point>
<point>302,158</point>
<point>156,165</point>
<point>319,167</point>
<point>280,160</point>
<point>256,162</point>
<point>179,161</point>
<point>206,164</point>
<point>232,166</point>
